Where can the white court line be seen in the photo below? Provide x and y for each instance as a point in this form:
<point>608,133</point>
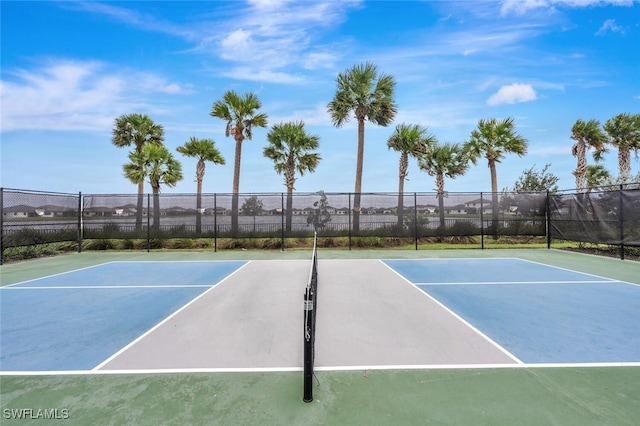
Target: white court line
<point>55,275</point>
<point>517,282</point>
<point>175,261</point>
<point>510,258</point>
<point>318,368</point>
<point>70,287</point>
<point>438,259</point>
<point>103,363</point>
<point>465,322</point>
<point>111,262</point>
<point>476,366</point>
<point>606,279</point>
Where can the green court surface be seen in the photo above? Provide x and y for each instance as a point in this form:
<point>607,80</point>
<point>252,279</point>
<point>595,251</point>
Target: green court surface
<point>595,395</point>
<point>552,396</point>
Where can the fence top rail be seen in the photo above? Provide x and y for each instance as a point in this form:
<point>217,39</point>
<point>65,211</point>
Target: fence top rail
<point>38,192</point>
<point>315,194</point>
<point>604,188</point>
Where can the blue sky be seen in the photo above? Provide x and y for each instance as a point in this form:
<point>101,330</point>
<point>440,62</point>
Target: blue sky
<point>70,68</point>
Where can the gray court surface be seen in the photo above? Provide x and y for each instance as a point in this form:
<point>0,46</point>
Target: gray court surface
<point>252,320</point>
<point>368,316</point>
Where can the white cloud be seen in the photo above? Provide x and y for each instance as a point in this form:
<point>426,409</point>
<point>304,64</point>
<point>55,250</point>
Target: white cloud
<point>316,115</point>
<point>76,95</point>
<point>269,35</point>
<point>272,35</point>
<point>268,4</point>
<point>485,37</point>
<point>237,44</point>
<point>512,94</point>
<point>264,75</point>
<point>319,60</point>
<point>148,22</point>
<point>520,7</point>
<point>609,25</point>
<point>547,151</point>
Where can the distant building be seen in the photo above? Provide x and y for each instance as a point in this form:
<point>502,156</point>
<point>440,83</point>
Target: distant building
<point>18,212</point>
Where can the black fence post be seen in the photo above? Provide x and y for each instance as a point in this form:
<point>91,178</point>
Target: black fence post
<point>1,225</point>
<point>481,222</point>
<point>282,217</point>
<point>148,223</point>
<point>621,224</point>
<point>349,221</point>
<point>415,219</point>
<point>215,223</point>
<point>79,235</point>
<point>548,224</point>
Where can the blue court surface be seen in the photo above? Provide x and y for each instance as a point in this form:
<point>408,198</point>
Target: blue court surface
<point>538,313</point>
<point>76,320</point>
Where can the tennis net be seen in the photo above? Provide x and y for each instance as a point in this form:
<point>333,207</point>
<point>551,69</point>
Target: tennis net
<point>310,309</point>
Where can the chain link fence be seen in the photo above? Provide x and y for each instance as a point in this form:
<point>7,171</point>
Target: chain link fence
<point>605,215</point>
<point>33,217</point>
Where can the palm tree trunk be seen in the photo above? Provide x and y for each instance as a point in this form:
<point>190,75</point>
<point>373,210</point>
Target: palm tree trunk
<point>404,165</point>
<point>495,216</point>
<point>200,168</point>
<point>289,181</point>
<point>140,205</point>
<point>440,186</point>
<point>199,207</point>
<point>289,211</point>
<point>236,186</point>
<point>156,207</point>
<point>358,186</point>
<point>581,167</point>
<point>579,173</point>
<point>624,163</point>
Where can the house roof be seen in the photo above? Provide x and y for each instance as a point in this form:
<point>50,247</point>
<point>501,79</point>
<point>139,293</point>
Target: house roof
<point>20,208</point>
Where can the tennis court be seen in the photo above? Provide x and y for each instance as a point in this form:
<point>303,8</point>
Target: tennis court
<point>537,313</point>
<point>76,320</point>
<point>240,321</point>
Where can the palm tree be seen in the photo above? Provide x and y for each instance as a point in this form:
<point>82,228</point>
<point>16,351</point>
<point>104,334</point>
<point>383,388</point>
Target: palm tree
<point>411,140</point>
<point>241,115</point>
<point>370,97</point>
<point>596,175</point>
<point>204,150</point>
<point>137,130</point>
<point>448,160</point>
<point>495,138</point>
<point>156,163</point>
<point>624,131</point>
<point>288,148</point>
<point>587,134</point>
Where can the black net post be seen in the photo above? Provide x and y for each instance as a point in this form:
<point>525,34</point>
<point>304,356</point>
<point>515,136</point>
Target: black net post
<point>310,298</point>
<point>308,345</point>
